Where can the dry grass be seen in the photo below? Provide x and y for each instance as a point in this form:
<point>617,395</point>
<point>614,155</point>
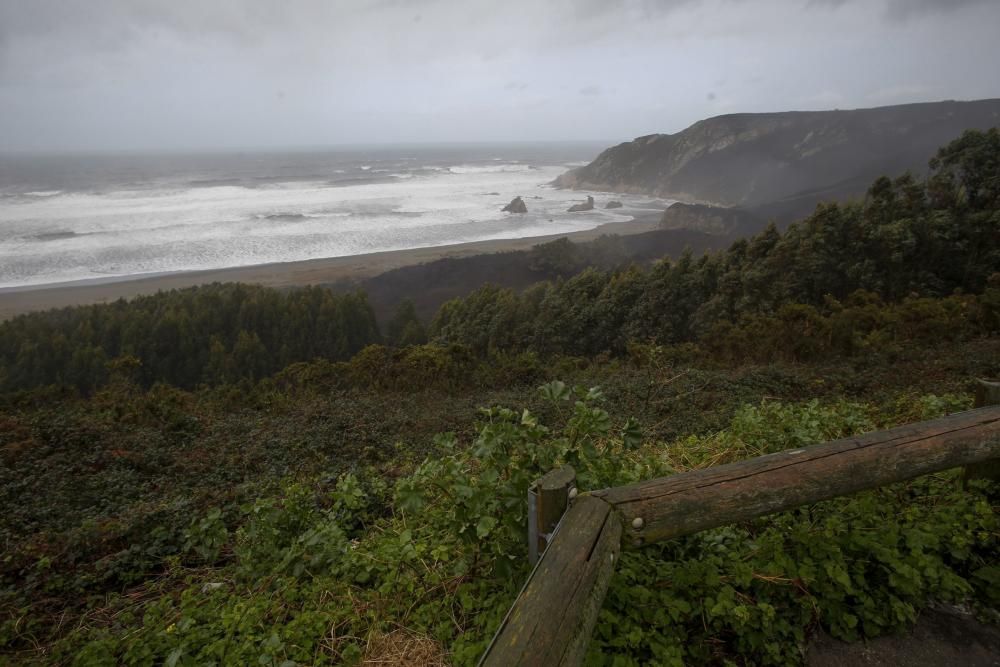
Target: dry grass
<point>402,647</point>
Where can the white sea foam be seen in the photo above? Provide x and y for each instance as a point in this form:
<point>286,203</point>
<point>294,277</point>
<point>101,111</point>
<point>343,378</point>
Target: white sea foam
<point>64,236</point>
<point>490,169</point>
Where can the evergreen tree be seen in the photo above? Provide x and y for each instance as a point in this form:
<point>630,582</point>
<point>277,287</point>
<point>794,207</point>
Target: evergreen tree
<point>405,328</point>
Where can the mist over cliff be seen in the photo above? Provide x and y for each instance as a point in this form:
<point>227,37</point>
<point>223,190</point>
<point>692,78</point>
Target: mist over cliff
<point>795,157</point>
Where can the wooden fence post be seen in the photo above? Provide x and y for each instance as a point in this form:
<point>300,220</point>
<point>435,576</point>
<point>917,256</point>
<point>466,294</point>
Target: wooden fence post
<point>548,499</point>
<point>987,393</point>
<point>551,620</point>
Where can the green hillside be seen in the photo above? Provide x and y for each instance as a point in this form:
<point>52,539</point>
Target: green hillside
<point>236,475</point>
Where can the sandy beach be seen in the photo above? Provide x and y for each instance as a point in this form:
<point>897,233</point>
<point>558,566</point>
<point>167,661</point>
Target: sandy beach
<point>18,300</point>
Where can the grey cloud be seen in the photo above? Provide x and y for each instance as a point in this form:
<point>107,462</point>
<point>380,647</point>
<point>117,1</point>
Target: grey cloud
<point>113,22</point>
<point>181,73</point>
<point>903,10</point>
<point>827,3</point>
<point>907,9</point>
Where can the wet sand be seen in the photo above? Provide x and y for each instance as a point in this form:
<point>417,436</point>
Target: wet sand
<point>18,300</point>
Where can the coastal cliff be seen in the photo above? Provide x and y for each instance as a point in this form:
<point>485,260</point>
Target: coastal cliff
<point>715,220</point>
<point>798,157</point>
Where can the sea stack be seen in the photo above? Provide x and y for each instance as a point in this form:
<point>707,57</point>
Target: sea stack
<point>613,204</point>
<point>586,206</point>
<point>516,205</point>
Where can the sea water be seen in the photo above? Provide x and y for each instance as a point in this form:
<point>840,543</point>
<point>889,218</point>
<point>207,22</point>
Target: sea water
<point>111,216</point>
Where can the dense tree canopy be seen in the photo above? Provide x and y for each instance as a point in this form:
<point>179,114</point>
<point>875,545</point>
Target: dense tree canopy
<point>822,286</point>
<point>405,328</point>
<point>212,334</point>
<point>905,239</point>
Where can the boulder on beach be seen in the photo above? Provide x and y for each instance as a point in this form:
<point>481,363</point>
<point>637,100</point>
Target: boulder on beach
<point>516,205</point>
<point>613,204</point>
<point>586,206</point>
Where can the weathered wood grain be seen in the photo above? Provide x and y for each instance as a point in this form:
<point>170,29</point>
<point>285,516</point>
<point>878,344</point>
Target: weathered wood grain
<point>987,393</point>
<point>550,498</point>
<point>551,621</point>
<point>687,503</point>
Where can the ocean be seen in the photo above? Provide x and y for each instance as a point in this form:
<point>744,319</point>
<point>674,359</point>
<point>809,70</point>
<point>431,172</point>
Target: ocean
<point>111,216</point>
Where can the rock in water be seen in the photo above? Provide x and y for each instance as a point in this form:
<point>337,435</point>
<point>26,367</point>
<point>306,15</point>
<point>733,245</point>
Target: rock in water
<point>613,204</point>
<point>516,205</point>
<point>587,206</point>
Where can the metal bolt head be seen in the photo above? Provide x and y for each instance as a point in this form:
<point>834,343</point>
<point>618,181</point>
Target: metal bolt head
<point>638,523</point>
<point>573,493</point>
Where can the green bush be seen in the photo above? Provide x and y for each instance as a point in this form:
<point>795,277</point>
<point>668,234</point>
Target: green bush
<point>440,554</point>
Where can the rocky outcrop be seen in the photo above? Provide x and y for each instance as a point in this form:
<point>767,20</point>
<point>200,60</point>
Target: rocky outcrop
<point>516,205</point>
<point>586,206</point>
<point>713,220</point>
<point>613,204</point>
<point>753,159</point>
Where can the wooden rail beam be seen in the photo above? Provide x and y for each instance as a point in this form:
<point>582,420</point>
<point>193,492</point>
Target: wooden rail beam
<point>686,503</point>
<point>551,621</point>
<point>987,393</point>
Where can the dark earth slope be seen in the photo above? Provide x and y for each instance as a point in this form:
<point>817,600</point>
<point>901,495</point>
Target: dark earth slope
<point>430,285</point>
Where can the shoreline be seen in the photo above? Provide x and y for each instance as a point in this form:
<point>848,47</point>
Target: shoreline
<point>19,300</point>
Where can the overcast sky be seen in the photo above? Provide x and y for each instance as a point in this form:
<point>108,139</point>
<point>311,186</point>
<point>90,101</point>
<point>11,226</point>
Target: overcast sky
<point>181,74</point>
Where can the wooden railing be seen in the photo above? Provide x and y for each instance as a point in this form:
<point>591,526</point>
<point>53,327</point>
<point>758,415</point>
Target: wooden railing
<point>551,621</point>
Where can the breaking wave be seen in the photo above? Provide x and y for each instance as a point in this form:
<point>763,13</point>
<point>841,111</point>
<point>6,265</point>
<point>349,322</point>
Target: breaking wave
<point>217,220</point>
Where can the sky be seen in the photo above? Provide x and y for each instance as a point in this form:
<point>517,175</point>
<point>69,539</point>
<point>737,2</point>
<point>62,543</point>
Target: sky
<point>216,74</point>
